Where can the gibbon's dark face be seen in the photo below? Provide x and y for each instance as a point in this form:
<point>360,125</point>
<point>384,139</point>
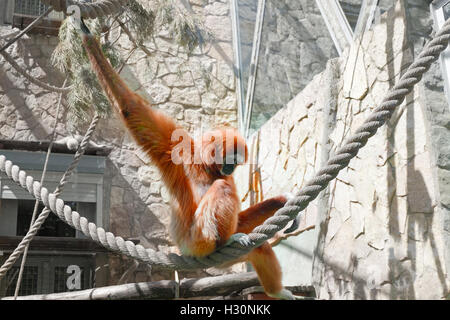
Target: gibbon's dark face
<point>225,149</point>
<point>231,162</point>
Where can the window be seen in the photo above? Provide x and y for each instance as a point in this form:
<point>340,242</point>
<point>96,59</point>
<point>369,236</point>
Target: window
<point>29,281</point>
<point>60,257</point>
<point>20,13</point>
<point>281,45</point>
<point>50,274</point>
<point>52,227</point>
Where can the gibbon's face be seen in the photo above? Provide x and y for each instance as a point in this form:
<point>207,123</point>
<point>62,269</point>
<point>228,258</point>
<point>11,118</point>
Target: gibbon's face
<point>223,150</point>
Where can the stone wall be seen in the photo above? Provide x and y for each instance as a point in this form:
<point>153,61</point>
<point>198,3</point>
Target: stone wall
<point>381,227</point>
<point>198,90</point>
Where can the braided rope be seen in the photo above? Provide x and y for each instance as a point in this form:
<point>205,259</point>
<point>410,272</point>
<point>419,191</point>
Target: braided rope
<point>90,10</point>
<point>340,160</point>
<point>45,212</point>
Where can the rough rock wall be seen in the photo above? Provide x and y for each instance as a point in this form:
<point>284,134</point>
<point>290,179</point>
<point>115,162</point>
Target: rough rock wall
<point>381,227</point>
<point>197,90</point>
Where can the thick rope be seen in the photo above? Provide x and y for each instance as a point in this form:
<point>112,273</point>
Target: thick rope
<point>340,160</point>
<point>45,212</point>
<point>90,10</point>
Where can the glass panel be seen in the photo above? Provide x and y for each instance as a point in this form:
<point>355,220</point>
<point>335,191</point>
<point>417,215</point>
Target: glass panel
<point>295,46</point>
<point>351,9</point>
<point>247,16</point>
<point>52,227</point>
<point>29,283</point>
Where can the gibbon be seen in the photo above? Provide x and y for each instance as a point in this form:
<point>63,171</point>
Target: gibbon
<point>206,208</point>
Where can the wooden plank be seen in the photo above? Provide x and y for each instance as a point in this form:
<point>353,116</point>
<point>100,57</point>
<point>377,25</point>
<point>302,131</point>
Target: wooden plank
<point>254,65</point>
<point>233,285</point>
<point>234,10</point>
<point>165,289</point>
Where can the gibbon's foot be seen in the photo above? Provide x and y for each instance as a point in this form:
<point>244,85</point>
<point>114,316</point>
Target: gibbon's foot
<point>241,238</point>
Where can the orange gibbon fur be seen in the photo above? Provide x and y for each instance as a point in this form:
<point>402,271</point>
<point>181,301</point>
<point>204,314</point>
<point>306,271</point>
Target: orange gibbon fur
<point>206,207</point>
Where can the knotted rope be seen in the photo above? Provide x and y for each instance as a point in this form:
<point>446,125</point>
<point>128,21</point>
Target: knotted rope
<point>340,160</point>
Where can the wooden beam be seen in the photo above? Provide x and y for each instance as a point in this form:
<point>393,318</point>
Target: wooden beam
<point>165,289</point>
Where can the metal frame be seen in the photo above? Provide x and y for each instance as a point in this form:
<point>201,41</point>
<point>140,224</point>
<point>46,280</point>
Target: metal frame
<point>366,16</point>
<point>89,173</point>
<point>444,60</point>
<point>234,9</point>
<point>254,65</point>
<point>245,103</point>
<point>337,24</point>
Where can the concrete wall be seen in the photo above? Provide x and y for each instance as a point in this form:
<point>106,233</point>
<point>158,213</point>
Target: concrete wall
<point>381,227</point>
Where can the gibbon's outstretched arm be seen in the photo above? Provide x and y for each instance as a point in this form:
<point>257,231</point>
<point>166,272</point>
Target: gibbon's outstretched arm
<point>151,129</point>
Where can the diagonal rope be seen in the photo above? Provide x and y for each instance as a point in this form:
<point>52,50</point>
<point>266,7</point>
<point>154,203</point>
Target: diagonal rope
<point>36,203</point>
<point>337,162</point>
<point>46,211</point>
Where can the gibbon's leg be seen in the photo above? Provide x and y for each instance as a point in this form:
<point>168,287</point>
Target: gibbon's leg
<point>268,269</point>
<point>215,219</point>
<point>258,213</point>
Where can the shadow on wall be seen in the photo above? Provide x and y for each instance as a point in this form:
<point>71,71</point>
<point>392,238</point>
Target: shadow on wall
<point>21,98</point>
<point>420,206</point>
<point>403,262</point>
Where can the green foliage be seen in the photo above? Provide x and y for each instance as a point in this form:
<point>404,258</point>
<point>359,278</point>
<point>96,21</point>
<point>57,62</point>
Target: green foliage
<point>71,58</point>
<point>144,23</point>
